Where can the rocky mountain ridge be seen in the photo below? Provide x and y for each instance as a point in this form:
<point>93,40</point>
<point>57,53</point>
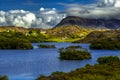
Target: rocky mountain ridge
<point>91,23</point>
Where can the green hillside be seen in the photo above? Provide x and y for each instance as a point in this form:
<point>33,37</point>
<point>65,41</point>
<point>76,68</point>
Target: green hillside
<point>67,33</point>
<point>109,35</point>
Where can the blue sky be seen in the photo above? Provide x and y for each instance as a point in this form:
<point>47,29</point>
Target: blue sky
<point>35,5</point>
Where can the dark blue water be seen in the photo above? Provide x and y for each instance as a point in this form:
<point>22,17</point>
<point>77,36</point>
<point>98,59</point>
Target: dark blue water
<point>29,64</point>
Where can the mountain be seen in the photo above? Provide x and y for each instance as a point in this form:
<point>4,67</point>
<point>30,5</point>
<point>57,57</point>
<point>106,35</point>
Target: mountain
<point>87,22</point>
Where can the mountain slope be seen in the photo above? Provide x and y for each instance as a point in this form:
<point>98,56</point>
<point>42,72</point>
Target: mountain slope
<point>68,32</point>
<point>111,35</point>
<point>86,22</point>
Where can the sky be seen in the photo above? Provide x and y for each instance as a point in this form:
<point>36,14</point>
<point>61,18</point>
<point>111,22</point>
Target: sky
<point>48,13</point>
<point>34,5</point>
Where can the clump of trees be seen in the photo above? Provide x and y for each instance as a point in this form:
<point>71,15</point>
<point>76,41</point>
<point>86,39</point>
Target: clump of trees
<point>108,59</point>
<point>105,44</point>
<point>74,53</point>
<point>110,70</point>
<point>15,44</point>
<point>74,47</point>
<point>46,46</point>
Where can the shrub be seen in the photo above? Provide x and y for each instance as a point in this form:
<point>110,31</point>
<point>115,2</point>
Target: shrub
<point>57,73</point>
<point>105,44</point>
<point>15,44</point>
<point>108,59</point>
<point>46,46</point>
<point>74,47</point>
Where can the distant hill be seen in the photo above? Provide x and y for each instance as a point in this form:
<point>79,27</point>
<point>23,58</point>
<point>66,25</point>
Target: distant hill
<point>87,22</point>
<point>18,29</point>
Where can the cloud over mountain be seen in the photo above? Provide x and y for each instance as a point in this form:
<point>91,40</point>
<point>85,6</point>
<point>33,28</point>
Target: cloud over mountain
<point>105,9</point>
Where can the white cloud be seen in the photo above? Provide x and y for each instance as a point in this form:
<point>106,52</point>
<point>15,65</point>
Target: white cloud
<point>2,17</point>
<point>117,4</point>
<point>2,20</point>
<point>42,9</point>
<point>105,9</point>
<point>46,18</point>
<point>48,11</point>
<point>30,17</point>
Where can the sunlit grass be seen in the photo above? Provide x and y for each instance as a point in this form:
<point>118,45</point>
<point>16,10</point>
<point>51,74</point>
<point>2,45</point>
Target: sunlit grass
<point>61,40</point>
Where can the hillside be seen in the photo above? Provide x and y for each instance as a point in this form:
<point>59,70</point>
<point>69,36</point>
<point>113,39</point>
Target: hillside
<point>60,34</point>
<point>68,33</point>
<point>12,32</point>
<point>18,29</point>
<point>57,34</point>
<point>90,23</point>
<point>110,35</point>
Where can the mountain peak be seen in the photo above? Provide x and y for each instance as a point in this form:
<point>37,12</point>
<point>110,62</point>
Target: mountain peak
<point>90,23</point>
